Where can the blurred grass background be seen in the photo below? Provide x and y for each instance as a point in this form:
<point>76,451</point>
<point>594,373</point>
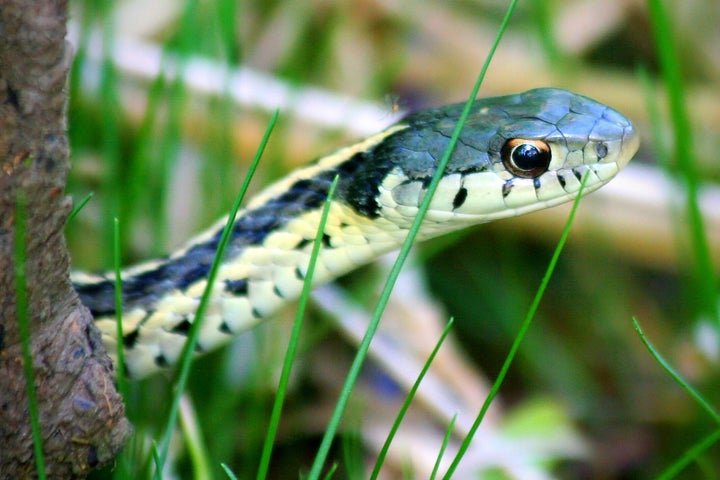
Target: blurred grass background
<point>167,158</point>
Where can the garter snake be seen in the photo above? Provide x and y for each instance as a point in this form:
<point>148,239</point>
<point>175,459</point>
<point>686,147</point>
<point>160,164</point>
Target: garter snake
<point>516,154</point>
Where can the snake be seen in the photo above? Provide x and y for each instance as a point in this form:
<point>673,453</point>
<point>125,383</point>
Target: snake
<point>515,154</point>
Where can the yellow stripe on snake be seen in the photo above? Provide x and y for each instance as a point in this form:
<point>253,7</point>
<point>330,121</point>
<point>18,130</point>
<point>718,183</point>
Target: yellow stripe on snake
<point>516,154</point>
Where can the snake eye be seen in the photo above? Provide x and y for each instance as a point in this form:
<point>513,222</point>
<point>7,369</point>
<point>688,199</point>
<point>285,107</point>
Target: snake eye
<point>526,158</point>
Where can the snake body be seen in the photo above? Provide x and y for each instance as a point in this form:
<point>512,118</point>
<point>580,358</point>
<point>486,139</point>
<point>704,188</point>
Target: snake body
<point>516,154</point>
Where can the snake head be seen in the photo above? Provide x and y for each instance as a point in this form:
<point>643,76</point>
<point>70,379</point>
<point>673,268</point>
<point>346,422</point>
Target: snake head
<point>516,154</point>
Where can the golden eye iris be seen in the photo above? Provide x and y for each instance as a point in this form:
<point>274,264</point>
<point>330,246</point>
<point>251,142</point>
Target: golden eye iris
<point>526,158</point>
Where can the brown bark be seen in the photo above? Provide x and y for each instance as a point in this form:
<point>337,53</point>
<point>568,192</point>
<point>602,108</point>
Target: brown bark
<point>82,416</point>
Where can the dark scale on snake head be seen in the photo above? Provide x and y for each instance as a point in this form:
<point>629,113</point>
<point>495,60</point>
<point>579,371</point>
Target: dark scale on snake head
<point>460,197</point>
<point>562,181</point>
<point>536,183</point>
<point>507,187</point>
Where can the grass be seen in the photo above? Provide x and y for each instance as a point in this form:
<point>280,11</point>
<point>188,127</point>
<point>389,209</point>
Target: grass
<point>381,304</point>
<point>584,355</point>
<point>294,339</point>
<point>517,342</point>
<point>23,317</point>
<point>705,283</point>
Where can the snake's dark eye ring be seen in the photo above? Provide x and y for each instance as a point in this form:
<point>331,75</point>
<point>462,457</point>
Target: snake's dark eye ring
<point>526,158</point>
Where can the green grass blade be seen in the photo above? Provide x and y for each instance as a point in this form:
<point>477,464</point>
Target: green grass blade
<point>228,472</point>
<point>23,318</point>
<point>76,209</point>
<point>520,336</point>
<point>194,440</point>
<point>227,15</point>
<point>294,339</point>
<point>443,447</point>
<point>110,132</point>
<point>141,168</point>
<point>120,352</point>
<point>675,375</point>
<point>158,461</point>
<point>542,11</point>
<point>352,455</point>
<point>189,349</point>
<point>364,346</point>
<point>408,399</point>
<point>690,456</point>
<point>168,154</point>
<point>706,286</point>
<point>659,144</point>
<point>330,473</point>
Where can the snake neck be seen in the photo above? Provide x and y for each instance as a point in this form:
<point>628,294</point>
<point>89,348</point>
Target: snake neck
<point>264,268</point>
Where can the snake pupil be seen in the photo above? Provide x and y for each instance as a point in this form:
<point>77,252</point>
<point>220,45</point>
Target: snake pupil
<point>526,158</point>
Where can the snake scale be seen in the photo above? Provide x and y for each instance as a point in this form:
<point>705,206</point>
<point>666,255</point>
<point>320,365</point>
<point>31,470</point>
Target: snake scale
<point>516,154</point>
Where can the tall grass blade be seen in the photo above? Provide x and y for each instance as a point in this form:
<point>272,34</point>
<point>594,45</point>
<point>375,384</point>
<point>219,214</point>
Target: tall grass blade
<point>120,352</point>
<point>520,336</point>
<point>23,318</point>
<point>675,375</point>
<point>194,440</point>
<point>110,132</point>
<point>408,399</point>
<point>364,346</point>
<point>228,472</point>
<point>443,447</point>
<point>706,285</point>
<point>294,339</point>
<point>189,349</point>
<point>690,456</point>
<point>76,209</point>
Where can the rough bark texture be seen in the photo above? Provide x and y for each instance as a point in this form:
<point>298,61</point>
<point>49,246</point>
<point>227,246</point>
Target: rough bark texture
<point>82,416</point>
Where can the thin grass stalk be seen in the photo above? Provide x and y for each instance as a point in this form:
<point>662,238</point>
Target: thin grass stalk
<point>194,440</point>
<point>443,447</point>
<point>683,152</point>
<point>110,133</point>
<point>227,14</point>
<point>704,404</point>
<point>23,318</point>
<point>120,351</point>
<point>408,399</point>
<point>294,339</point>
<point>77,208</point>
<point>189,348</point>
<point>519,337</point>
<point>690,456</point>
<point>364,346</point>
